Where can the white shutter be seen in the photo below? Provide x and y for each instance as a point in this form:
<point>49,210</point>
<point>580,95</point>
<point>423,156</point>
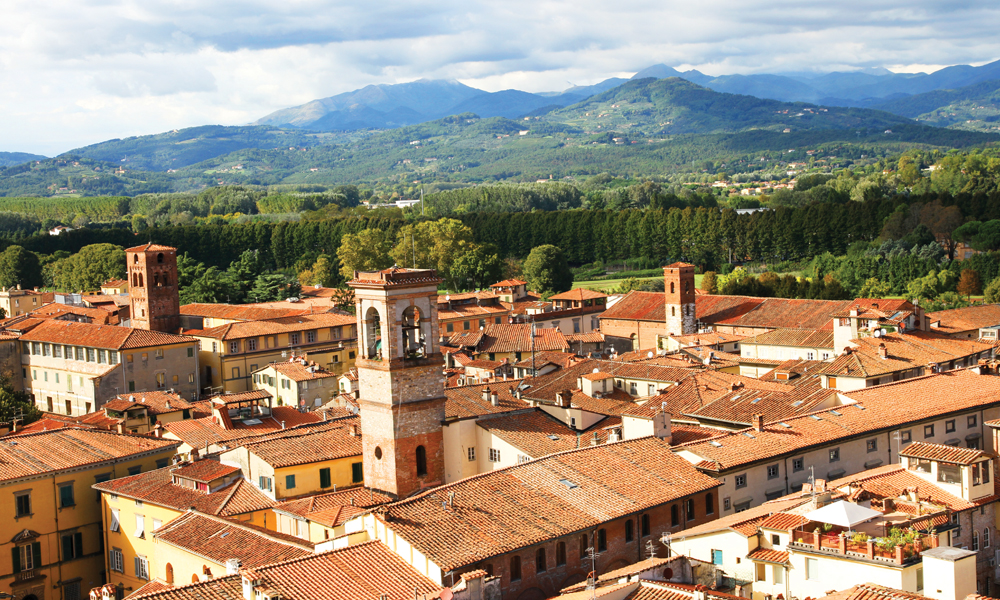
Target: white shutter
<point>115,523</point>
<point>156,524</point>
<point>140,525</point>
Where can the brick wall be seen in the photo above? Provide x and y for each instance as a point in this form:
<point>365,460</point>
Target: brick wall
<point>538,585</point>
<point>620,331</point>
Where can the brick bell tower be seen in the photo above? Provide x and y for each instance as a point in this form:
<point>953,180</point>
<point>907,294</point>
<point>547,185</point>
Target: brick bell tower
<point>400,378</point>
<point>678,283</point>
<point>153,292</point>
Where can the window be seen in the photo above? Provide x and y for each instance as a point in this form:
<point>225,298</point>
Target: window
<point>102,356</point>
<point>324,477</point>
<point>920,579</point>
<point>584,545</point>
<point>264,483</point>
<point>236,372</point>
<point>91,355</point>
<point>117,560</point>
<point>772,471</point>
<point>726,504</point>
<point>421,461</point>
<point>191,352</point>
<point>289,481</point>
<point>689,508</point>
<point>449,327</point>
<point>986,538</point>
<point>906,436</point>
<point>810,356</point>
<point>834,454</point>
<point>741,481</point>
<point>540,560</point>
<point>57,351</point>
<point>560,554</point>
<point>716,557</point>
<point>775,539</point>
<point>135,470</point>
<point>709,504</point>
<point>27,557</point>
<point>975,540</point>
<point>141,567</point>
<point>645,525</point>
<point>494,455</point>
<point>798,464</point>
<point>158,354</point>
<point>310,337</point>
<point>629,530</point>
<point>140,527</point>
<point>161,381</point>
<point>115,522</point>
<point>949,426</point>
<point>294,338</point>
<point>66,495</point>
<point>872,445</point>
<point>972,421</point>
<point>72,546</point>
<point>471,451</point>
<point>602,540</point>
<point>234,347</point>
<point>928,431</point>
<point>812,569</point>
<point>22,504</point>
<point>515,568</point>
<point>131,386</point>
<point>357,472</point>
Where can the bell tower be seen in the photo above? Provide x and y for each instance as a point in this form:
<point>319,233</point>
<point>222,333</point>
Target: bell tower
<point>153,293</point>
<point>678,283</point>
<point>400,378</point>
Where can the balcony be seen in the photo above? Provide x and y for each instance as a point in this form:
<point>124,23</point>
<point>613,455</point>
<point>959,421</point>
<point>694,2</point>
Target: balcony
<point>901,547</point>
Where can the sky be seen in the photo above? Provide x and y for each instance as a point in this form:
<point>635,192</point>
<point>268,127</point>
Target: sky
<point>79,72</point>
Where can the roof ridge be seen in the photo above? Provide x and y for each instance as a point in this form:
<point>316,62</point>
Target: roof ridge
<point>232,492</point>
<point>245,526</point>
<point>174,588</point>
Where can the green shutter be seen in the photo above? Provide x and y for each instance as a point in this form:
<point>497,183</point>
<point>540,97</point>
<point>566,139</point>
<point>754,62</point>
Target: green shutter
<point>324,477</point>
<point>357,472</point>
<point>67,547</point>
<point>36,554</point>
<point>78,544</point>
<point>15,555</point>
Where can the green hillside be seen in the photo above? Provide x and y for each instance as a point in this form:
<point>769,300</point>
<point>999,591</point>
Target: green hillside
<point>973,108</point>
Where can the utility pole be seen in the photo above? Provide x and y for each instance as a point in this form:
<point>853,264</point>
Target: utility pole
<point>421,201</point>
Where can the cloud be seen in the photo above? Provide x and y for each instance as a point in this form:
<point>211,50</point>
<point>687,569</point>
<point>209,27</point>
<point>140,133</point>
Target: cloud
<point>80,72</point>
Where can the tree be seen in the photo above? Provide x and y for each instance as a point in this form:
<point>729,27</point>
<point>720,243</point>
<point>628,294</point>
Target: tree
<point>873,288</point>
<point>16,404</point>
<point>213,286</point>
<point>19,266</point>
<point>992,292</point>
<point>367,250</point>
<point>88,268</point>
<point>433,245</point>
<point>709,283</point>
<point>546,270</point>
<point>969,283</point>
<point>476,268</point>
<point>322,272</point>
<point>243,274</point>
<point>188,270</point>
<point>272,287</point>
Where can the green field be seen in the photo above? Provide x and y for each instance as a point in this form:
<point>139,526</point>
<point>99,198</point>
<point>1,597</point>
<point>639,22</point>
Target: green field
<point>609,284</point>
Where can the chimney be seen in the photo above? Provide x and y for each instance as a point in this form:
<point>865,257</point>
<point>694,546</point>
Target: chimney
<point>194,454</point>
<point>233,566</point>
<point>883,352</point>
<point>564,398</point>
<point>282,424</point>
<point>451,499</point>
<point>495,399</point>
<point>354,430</point>
<point>158,430</point>
<point>758,423</point>
<point>486,394</point>
<point>661,424</point>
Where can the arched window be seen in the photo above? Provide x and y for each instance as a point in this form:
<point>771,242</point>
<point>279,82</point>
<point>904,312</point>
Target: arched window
<point>986,538</point>
<point>560,554</point>
<point>629,530</point>
<point>515,568</point>
<point>671,287</point>
<point>421,461</point>
<point>645,525</point>
<point>540,560</point>
<point>709,504</point>
<point>602,540</point>
<point>675,518</point>
<point>689,508</point>
<point>135,258</point>
<point>170,573</point>
<point>194,578</point>
<point>584,544</point>
<point>413,337</point>
<point>673,311</point>
<point>159,257</point>
<point>141,284</point>
<point>975,540</point>
<point>373,333</point>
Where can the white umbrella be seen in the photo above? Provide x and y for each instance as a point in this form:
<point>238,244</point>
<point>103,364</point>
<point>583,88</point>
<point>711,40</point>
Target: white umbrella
<point>842,513</point>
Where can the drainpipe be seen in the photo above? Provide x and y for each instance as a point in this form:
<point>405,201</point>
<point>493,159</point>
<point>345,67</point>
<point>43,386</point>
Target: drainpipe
<point>59,561</point>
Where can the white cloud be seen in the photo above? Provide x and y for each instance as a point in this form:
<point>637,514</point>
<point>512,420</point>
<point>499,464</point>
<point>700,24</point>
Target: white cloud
<point>73,73</point>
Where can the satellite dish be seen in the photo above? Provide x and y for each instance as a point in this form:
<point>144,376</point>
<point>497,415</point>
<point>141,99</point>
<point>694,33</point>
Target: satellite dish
<point>878,333</point>
<point>649,354</point>
<point>597,370</point>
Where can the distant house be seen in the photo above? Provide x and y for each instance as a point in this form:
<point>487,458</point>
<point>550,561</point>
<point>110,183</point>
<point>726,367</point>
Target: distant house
<point>59,229</point>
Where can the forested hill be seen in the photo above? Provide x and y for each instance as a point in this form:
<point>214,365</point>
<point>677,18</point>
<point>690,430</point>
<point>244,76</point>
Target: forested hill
<point>674,105</point>
<point>8,159</point>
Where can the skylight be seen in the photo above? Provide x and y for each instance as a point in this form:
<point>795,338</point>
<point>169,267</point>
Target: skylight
<point>749,435</point>
<point>716,444</point>
<point>569,484</point>
<point>833,412</point>
<point>552,437</point>
<point>756,400</point>
<point>816,417</point>
<point>783,424</point>
<point>797,403</point>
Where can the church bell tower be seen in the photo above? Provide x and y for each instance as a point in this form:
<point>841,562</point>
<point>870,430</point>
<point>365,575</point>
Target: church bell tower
<point>678,283</point>
<point>153,293</point>
<point>400,378</point>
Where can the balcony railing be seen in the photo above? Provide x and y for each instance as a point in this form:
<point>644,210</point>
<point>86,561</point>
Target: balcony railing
<point>840,544</point>
<point>26,575</point>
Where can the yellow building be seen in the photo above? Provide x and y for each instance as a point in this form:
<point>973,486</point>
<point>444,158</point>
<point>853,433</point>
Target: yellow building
<point>52,547</point>
<point>139,413</point>
<point>114,287</point>
<point>16,302</point>
<point>323,516</point>
<point>207,316</point>
<point>197,547</point>
<point>297,382</point>
<point>230,353</point>
<point>134,507</point>
<point>306,460</point>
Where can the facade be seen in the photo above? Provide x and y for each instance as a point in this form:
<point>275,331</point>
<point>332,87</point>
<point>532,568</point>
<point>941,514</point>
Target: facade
<point>297,382</point>
<point>16,302</point>
<point>134,507</point>
<point>142,413</point>
<point>230,353</point>
<point>401,383</point>
<point>322,517</point>
<point>679,295</point>
<point>470,311</point>
<point>52,547</point>
<point>74,368</point>
<point>152,274</point>
<point>760,353</point>
<point>575,312</point>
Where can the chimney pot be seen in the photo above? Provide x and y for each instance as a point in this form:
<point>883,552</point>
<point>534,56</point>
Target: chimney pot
<point>486,394</point>
<point>758,422</point>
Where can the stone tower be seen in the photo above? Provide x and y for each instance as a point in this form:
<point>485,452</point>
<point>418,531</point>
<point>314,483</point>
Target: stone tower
<point>400,379</point>
<point>153,293</point>
<point>678,282</point>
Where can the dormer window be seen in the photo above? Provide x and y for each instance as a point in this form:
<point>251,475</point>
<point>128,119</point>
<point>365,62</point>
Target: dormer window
<point>920,465</point>
<point>981,473</point>
<point>949,473</point>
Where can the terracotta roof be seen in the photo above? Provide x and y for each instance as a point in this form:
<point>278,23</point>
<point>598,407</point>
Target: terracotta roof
<point>941,452</point>
<point>915,349</point>
<point>747,522</point>
<point>67,448</point>
<point>740,406</point>
<point>219,540</point>
<point>155,402</point>
<point>964,319</point>
<point>783,521</point>
<point>249,329</point>
<point>892,481</point>
<point>98,316</point>
<point>156,487</point>
<point>366,570</point>
<point>872,591</point>
<point>296,371</point>
<point>682,434</point>
<point>489,365</point>
<point>48,423</point>
<point>579,294</point>
<point>100,336</point>
<point>152,587</point>
<point>237,312</point>
<point>509,283</point>
<point>538,434</point>
<point>150,247</point>
<point>335,508</point>
<point>238,397</point>
<point>631,570</point>
<point>878,408</point>
<point>204,471</point>
<point>515,337</point>
<point>326,441</point>
<point>198,433</point>
<point>467,401</point>
<point>593,337</point>
<point>702,388</point>
<point>469,311</point>
<point>500,511</point>
<point>707,338</point>
<point>560,359</point>
<point>797,338</point>
<point>769,555</point>
<point>228,587</point>
<point>638,306</point>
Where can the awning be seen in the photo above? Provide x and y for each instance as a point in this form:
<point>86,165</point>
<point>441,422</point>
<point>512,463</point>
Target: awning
<point>843,513</point>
